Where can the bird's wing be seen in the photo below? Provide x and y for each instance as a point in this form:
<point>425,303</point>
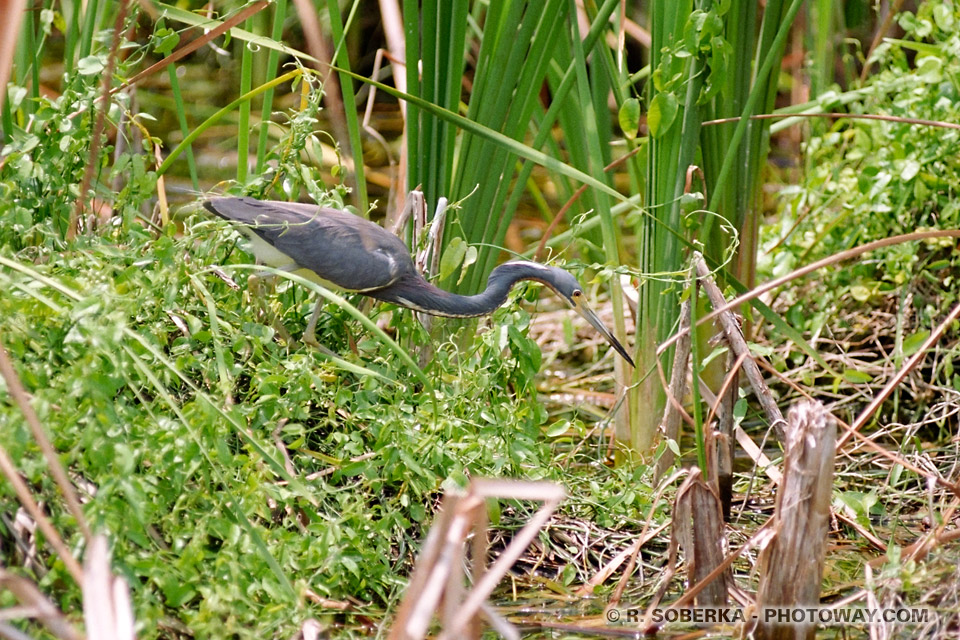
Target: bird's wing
<point>340,247</point>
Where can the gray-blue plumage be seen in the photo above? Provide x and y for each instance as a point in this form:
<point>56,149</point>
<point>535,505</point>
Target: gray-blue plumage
<point>340,247</point>
<point>358,255</point>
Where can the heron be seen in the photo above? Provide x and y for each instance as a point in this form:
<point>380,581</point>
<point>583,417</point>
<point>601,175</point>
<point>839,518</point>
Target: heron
<point>330,246</point>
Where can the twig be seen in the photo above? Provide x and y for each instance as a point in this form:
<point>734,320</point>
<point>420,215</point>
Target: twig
<point>538,254</point>
<point>892,12</point>
<point>92,164</point>
<point>194,44</point>
<point>870,444</point>
<point>50,533</point>
<point>673,412</point>
<point>895,381</point>
<point>45,611</point>
<point>840,116</point>
<point>810,268</point>
<point>731,330</point>
<point>641,539</point>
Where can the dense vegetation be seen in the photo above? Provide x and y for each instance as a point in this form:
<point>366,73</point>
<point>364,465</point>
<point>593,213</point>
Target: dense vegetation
<point>247,482</point>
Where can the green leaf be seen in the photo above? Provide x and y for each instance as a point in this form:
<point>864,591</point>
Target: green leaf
<point>663,111</point>
<point>943,16</point>
<point>854,376</point>
<point>468,260</point>
<point>860,293</point>
<point>912,344</point>
<point>165,40</point>
<point>673,446</point>
<point>630,118</point>
<point>558,428</point>
<point>195,20</point>
<point>453,257</point>
<point>493,511</point>
<point>929,69</point>
<point>15,95</point>
<point>910,169</point>
<point>90,65</point>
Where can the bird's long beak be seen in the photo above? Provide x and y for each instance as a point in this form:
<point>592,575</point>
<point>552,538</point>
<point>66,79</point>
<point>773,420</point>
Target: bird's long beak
<point>584,310</point>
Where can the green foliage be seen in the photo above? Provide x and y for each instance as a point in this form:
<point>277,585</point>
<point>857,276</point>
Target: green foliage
<point>43,166</point>
<point>231,468</point>
<point>870,179</point>
<point>169,392</point>
<point>287,176</point>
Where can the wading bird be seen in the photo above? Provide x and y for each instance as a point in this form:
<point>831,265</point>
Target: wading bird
<point>332,246</point>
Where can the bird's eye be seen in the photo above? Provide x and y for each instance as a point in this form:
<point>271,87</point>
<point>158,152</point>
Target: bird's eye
<point>577,293</point>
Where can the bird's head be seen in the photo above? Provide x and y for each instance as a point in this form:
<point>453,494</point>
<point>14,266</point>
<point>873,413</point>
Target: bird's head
<point>570,290</point>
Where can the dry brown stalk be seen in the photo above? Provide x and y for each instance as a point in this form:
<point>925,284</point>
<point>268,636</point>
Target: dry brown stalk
<point>673,412</point>
<point>608,569</point>
<point>720,443</point>
<point>196,43</point>
<point>810,268</point>
<point>867,442</point>
<point>46,527</point>
<point>641,540</point>
<point>791,565</point>
<point>40,607</point>
<point>101,116</point>
<point>893,10</point>
<point>731,330</point>
<point>538,254</point>
<point>438,575</point>
<point>698,529</point>
<point>895,381</point>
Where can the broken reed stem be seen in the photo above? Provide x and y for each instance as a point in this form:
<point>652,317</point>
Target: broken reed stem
<point>791,566</point>
<point>731,330</point>
<point>698,528</point>
<point>437,584</point>
<point>720,442</point>
<point>672,413</point>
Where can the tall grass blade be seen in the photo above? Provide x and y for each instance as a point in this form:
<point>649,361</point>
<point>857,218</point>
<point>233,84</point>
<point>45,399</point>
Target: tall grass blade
<point>273,61</point>
<point>243,126</point>
<point>182,121</point>
<point>342,60</point>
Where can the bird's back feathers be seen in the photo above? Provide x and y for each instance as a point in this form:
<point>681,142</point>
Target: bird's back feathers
<point>352,253</point>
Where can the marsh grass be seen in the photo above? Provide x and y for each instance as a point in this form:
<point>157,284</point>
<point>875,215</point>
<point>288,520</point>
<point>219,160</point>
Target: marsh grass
<point>248,484</point>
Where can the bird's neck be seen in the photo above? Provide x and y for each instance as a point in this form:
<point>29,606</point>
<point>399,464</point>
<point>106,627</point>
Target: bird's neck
<point>416,293</point>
